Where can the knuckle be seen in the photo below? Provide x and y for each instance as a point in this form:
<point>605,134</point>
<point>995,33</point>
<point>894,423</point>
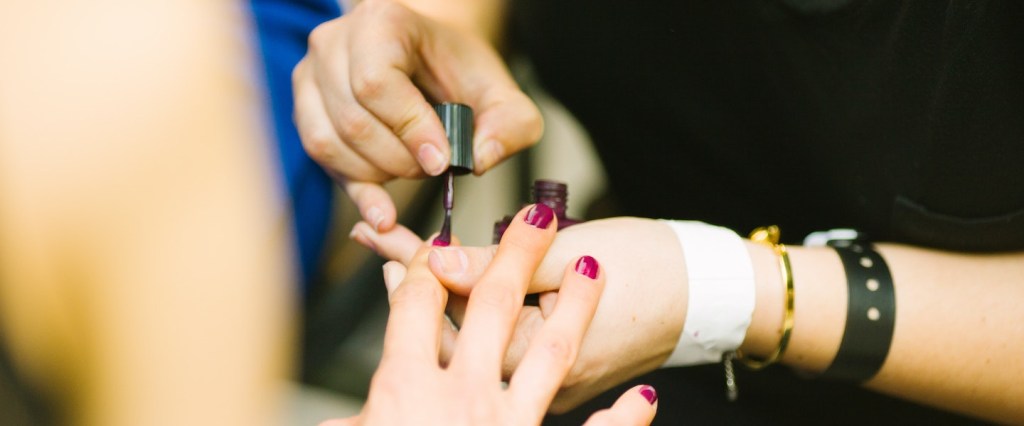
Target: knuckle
<point>355,126</point>
<point>409,121</point>
<point>497,297</point>
<point>298,73</point>
<point>368,83</point>
<point>320,37</point>
<point>319,144</point>
<point>416,292</point>
<point>560,350</point>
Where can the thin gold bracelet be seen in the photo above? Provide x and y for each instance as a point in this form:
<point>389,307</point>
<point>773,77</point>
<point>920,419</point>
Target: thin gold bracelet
<point>769,235</point>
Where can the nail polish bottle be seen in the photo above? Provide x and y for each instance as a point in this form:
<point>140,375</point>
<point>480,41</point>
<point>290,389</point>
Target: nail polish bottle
<point>457,120</point>
<point>550,193</point>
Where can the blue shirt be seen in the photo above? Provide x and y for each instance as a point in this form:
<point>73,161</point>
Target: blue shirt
<point>283,27</point>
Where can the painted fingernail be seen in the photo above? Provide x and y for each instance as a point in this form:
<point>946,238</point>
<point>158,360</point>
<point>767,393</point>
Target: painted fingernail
<point>540,216</point>
<point>452,260</point>
<point>587,266</point>
<point>649,393</point>
<point>376,216</point>
<point>431,159</point>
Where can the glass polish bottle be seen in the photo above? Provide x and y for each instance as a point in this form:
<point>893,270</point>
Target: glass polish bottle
<point>551,193</point>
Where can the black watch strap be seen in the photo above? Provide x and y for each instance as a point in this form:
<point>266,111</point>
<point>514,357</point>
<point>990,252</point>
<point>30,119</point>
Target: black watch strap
<point>871,313</point>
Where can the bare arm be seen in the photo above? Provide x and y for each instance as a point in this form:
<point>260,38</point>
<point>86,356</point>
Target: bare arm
<point>143,269</point>
<point>959,331</point>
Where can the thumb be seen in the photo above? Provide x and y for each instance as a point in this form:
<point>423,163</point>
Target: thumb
<point>507,122</point>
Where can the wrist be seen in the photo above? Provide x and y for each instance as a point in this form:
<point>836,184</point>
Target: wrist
<point>766,322</point>
<point>820,304</point>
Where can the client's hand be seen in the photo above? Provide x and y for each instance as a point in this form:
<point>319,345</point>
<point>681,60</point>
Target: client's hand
<point>410,387</point>
<point>636,325</point>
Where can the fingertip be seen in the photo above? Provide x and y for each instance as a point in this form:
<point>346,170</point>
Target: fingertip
<point>540,216</point>
<point>588,267</point>
<point>374,204</point>
<point>394,272</point>
<point>432,158</point>
<point>486,155</point>
<point>363,234</point>
<point>649,394</point>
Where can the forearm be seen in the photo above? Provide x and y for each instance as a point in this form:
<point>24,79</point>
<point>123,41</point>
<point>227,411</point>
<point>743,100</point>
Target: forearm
<point>958,332</point>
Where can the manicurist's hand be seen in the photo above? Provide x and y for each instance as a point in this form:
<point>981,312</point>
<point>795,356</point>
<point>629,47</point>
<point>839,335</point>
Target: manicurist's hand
<point>641,312</point>
<point>363,98</point>
<point>410,387</point>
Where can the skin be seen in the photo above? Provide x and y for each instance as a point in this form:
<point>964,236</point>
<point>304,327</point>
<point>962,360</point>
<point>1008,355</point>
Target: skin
<point>362,115</point>
<point>410,387</point>
<point>959,314</point>
<point>940,360</point>
<point>143,254</point>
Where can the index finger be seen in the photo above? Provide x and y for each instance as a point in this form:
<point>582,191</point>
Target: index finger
<point>417,307</point>
<point>494,304</point>
<point>380,78</point>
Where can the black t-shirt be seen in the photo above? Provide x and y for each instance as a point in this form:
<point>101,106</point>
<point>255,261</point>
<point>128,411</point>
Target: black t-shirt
<point>903,119</point>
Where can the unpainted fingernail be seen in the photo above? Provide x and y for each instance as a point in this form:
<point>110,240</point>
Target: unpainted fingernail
<point>649,393</point>
<point>376,216</point>
<point>587,266</point>
<point>389,279</point>
<point>490,153</point>
<point>360,235</point>
<point>452,260</point>
<point>432,159</point>
<point>539,216</point>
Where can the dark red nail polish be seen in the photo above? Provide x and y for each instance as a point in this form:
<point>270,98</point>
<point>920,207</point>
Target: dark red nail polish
<point>648,392</point>
<point>587,266</point>
<point>438,242</point>
<point>540,216</point>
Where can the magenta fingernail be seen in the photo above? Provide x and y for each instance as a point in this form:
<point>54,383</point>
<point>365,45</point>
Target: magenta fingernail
<point>587,266</point>
<point>649,393</point>
<point>540,216</point>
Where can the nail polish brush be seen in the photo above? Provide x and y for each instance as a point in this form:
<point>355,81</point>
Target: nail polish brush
<point>457,120</point>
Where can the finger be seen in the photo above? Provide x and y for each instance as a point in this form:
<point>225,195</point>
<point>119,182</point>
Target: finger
<point>529,322</point>
<point>554,349</point>
<point>394,273</point>
<point>509,124</point>
<point>547,300</point>
<point>374,203</point>
<point>459,268</point>
<point>357,128</point>
<point>398,244</point>
<point>320,138</point>
<point>349,169</point>
<point>495,302</point>
<point>380,71</point>
<point>636,407</point>
<point>413,330</point>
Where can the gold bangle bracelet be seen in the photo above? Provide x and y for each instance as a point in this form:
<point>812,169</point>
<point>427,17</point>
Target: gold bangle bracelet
<point>769,235</point>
